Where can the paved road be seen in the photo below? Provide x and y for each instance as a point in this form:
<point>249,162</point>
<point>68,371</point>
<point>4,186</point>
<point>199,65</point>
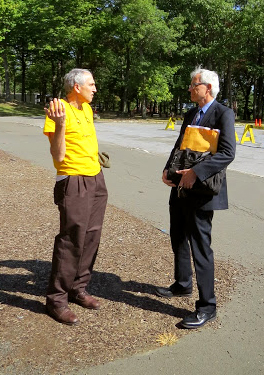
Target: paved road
<point>138,153</point>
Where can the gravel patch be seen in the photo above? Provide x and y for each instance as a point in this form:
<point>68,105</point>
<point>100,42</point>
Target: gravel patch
<point>133,258</point>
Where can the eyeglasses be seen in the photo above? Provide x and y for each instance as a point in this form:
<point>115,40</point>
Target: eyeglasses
<point>193,85</point>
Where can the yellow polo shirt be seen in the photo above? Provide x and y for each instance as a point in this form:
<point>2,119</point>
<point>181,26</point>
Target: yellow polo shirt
<point>81,156</point>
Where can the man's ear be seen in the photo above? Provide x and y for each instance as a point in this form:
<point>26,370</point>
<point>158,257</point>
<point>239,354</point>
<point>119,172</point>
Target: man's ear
<point>209,86</point>
<point>76,88</point>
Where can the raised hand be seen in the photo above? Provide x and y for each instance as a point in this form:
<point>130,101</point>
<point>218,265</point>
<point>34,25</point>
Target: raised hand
<point>56,112</point>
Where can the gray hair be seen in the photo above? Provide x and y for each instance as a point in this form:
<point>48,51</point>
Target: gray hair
<point>208,76</point>
<point>75,76</point>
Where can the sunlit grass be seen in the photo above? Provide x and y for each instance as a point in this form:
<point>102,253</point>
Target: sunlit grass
<point>167,339</point>
<point>20,109</point>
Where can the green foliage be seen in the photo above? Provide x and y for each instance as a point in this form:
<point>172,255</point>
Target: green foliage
<point>141,41</point>
<point>137,49</point>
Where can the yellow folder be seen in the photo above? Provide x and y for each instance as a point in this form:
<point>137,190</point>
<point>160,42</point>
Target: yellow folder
<point>198,138</point>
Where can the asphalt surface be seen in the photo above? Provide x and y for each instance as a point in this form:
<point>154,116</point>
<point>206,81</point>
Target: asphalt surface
<point>138,152</point>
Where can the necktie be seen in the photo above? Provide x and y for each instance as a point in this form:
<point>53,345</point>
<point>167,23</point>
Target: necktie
<point>197,118</point>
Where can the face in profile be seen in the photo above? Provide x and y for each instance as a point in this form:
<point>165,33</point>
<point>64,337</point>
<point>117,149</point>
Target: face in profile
<point>87,90</point>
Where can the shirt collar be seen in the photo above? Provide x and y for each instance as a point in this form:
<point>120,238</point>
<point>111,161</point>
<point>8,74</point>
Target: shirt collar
<point>206,106</point>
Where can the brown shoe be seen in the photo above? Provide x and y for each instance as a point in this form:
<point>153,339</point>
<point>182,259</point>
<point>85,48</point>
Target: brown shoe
<point>87,301</point>
<point>63,315</point>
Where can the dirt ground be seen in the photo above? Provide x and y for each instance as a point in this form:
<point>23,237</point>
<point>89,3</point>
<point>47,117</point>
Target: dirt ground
<point>133,258</point>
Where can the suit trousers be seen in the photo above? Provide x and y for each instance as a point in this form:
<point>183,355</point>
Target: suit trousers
<point>190,232</point>
<point>81,202</point>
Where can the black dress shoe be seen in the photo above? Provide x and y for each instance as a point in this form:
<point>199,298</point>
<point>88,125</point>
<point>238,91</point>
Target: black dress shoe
<point>197,319</point>
<point>173,291</point>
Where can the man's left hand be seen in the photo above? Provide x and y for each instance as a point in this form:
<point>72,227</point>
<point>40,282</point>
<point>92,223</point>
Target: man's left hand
<point>188,178</point>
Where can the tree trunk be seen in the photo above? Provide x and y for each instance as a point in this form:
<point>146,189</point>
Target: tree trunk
<point>255,100</point>
<point>7,77</point>
<point>61,73</point>
<point>14,86</point>
<point>79,57</point>
<point>227,86</point>
<point>138,105</point>
<point>23,77</point>
<point>57,76</point>
<point>246,113</point>
<point>54,93</point>
<point>259,98</point>
<point>258,89</point>
<point>144,108</point>
<point>160,109</point>
<point>123,102</point>
<point>229,82</point>
<point>151,109</point>
<point>180,103</point>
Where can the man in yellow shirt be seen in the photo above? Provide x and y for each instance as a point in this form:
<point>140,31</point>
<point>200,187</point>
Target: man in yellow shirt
<point>80,194</point>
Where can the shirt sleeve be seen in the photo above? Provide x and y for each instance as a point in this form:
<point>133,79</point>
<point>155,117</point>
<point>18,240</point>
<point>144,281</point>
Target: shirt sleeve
<point>49,126</point>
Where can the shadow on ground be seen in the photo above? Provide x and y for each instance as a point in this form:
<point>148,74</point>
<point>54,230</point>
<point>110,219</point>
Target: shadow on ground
<point>31,277</point>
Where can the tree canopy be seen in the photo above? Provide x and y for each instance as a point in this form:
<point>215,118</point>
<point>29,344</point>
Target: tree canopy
<point>141,52</point>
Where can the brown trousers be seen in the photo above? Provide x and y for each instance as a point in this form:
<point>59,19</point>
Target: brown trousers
<point>81,202</point>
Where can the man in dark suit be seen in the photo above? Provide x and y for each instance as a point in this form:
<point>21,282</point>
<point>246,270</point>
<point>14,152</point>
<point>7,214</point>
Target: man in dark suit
<point>191,217</point>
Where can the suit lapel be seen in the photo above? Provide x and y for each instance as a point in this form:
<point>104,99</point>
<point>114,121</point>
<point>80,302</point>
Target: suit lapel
<point>205,120</point>
<point>191,116</point>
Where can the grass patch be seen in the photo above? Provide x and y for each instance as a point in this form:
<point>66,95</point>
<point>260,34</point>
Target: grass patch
<point>20,109</point>
<point>167,339</point>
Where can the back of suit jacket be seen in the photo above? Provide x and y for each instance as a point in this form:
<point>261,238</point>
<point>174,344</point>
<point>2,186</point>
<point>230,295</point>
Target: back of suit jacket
<point>216,117</point>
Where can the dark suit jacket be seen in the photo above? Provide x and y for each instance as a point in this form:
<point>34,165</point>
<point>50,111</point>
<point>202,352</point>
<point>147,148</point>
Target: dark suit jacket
<point>216,117</point>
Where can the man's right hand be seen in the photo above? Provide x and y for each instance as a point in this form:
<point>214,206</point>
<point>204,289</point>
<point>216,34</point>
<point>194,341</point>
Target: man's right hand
<point>56,112</point>
<point>164,179</point>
